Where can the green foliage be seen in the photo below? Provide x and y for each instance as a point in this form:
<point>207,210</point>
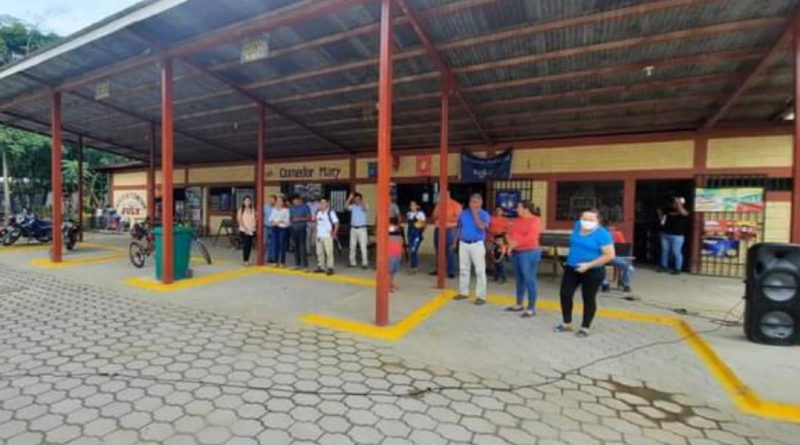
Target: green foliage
<point>28,154</point>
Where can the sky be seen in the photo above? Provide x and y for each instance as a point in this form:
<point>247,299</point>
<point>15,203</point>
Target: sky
<point>62,16</point>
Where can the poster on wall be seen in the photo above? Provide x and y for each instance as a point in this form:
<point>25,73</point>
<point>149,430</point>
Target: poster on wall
<point>424,165</point>
<point>477,169</point>
<point>740,200</point>
<point>723,238</point>
<point>372,169</point>
<point>131,206</point>
<point>508,201</point>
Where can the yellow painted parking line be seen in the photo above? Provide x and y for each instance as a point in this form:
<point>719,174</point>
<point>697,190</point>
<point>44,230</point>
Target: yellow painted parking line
<point>157,286</point>
<point>742,396</point>
<point>44,262</point>
<point>393,332</point>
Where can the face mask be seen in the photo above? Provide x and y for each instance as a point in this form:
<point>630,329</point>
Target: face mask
<point>588,225</point>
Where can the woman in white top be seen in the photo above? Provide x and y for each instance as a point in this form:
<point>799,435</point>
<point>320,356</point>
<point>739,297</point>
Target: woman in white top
<point>279,225</point>
<point>415,218</point>
<point>247,228</point>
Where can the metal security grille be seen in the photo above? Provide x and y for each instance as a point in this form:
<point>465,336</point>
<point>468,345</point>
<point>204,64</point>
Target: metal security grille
<point>523,186</point>
<point>718,256</point>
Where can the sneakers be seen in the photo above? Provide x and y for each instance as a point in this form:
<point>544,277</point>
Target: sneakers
<point>562,328</point>
<point>528,314</point>
<point>460,297</point>
<point>514,309</point>
<point>582,333</point>
<point>480,302</point>
<point>319,270</point>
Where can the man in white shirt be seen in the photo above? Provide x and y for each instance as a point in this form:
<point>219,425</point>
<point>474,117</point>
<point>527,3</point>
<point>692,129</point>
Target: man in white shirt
<point>327,226</point>
<point>358,228</point>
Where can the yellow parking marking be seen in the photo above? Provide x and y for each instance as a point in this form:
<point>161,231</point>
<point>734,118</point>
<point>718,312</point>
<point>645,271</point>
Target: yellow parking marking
<point>740,394</point>
<point>394,332</point>
<point>44,262</point>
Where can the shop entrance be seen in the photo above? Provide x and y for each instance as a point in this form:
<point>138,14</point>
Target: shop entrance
<point>652,195</point>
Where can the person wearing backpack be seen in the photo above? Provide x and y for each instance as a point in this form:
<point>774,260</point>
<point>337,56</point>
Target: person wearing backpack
<point>327,227</point>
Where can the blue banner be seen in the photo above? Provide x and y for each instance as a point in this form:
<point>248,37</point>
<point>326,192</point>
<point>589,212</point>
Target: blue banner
<point>475,169</point>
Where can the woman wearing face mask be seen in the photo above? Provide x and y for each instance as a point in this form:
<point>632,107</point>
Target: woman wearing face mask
<point>590,248</point>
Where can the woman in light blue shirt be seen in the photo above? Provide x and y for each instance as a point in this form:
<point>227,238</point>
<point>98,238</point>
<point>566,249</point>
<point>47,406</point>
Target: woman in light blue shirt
<point>591,247</point>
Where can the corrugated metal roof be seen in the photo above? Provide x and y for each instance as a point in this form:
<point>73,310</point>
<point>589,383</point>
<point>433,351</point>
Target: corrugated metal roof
<point>528,69</point>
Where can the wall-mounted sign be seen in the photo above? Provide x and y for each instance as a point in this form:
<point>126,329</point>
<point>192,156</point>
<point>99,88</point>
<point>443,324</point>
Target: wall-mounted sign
<point>741,200</point>
<point>301,172</point>
<point>131,205</point>
<point>508,201</point>
<point>372,169</point>
<point>424,165</point>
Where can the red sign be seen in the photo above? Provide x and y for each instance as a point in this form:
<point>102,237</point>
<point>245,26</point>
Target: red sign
<point>424,165</point>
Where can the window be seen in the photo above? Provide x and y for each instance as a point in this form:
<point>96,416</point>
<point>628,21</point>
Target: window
<point>574,196</point>
<point>220,199</point>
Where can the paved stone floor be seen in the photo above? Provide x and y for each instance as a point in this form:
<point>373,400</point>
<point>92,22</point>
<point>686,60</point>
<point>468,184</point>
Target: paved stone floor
<point>83,365</point>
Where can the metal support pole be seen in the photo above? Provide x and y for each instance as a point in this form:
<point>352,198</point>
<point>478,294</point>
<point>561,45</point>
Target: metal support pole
<point>166,171</point>
<point>259,207</point>
<point>444,148</point>
<point>384,165</point>
<point>55,176</point>
<point>80,187</point>
<point>795,228</point>
<point>151,178</point>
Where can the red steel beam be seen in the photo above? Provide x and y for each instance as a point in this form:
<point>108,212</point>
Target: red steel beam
<point>748,80</point>
<point>384,165</point>
<point>151,179</point>
<point>444,150</point>
<point>262,147</point>
<point>80,187</point>
<point>167,151</point>
<point>795,226</point>
<point>55,176</point>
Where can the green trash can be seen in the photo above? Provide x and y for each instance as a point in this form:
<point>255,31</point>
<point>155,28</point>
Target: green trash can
<point>181,248</point>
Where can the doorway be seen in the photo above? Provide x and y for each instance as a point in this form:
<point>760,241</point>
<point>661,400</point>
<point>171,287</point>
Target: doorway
<point>652,195</point>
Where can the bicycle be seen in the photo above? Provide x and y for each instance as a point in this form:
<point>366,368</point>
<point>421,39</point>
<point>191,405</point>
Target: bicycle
<point>143,245</point>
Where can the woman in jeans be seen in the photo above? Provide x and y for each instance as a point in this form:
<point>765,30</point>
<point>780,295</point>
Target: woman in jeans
<point>523,238</point>
<point>415,218</point>
<point>279,223</point>
<point>247,228</point>
<point>590,249</point>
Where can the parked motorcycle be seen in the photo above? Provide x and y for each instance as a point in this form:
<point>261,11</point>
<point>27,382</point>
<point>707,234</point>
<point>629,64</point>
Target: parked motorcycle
<point>71,231</point>
<point>30,227</point>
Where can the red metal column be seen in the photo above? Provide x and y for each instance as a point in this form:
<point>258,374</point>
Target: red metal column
<point>384,165</point>
<point>151,178</point>
<point>166,171</point>
<point>55,176</point>
<point>262,146</point>
<point>444,148</point>
<point>629,208</point>
<point>795,238</point>
<point>80,187</point>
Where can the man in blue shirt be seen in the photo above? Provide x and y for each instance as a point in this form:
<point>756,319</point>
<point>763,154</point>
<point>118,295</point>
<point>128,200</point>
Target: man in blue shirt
<point>299,215</point>
<point>358,228</point>
<point>473,223</point>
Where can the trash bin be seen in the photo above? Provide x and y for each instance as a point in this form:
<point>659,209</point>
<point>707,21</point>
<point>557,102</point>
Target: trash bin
<point>181,248</point>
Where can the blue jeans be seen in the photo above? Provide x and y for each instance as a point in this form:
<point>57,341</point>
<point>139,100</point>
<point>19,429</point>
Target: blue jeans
<point>451,254</point>
<point>526,266</point>
<point>625,271</point>
<point>267,249</point>
<point>414,241</point>
<point>672,244</point>
<point>279,244</point>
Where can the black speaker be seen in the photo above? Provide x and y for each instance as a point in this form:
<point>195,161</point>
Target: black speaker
<point>772,298</point>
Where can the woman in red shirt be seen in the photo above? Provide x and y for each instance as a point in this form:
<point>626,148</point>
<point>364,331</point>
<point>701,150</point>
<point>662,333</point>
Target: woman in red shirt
<point>526,255</point>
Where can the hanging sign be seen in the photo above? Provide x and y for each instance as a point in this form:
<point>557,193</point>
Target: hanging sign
<point>255,49</point>
<point>475,169</point>
<point>424,165</point>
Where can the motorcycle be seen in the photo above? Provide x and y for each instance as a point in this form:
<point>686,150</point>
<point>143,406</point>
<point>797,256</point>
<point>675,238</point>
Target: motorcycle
<point>30,227</point>
<point>71,232</point>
